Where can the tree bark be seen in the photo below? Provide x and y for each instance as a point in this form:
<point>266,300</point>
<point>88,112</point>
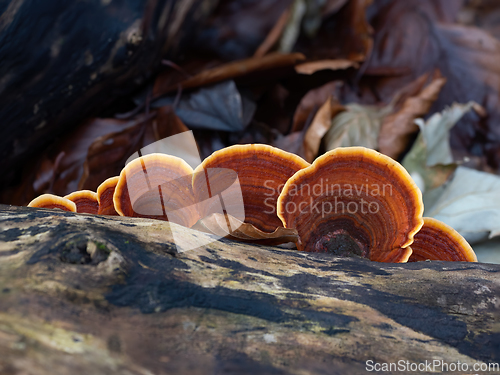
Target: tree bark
<point>63,61</point>
<point>84,294</point>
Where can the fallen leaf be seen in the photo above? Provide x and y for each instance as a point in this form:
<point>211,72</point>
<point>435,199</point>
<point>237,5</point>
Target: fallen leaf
<point>231,70</point>
<point>320,125</point>
<point>358,125</point>
<point>483,14</point>
<point>236,28</point>
<point>218,224</point>
<point>436,130</point>
<point>430,161</point>
<point>274,35</point>
<point>398,128</point>
<point>470,203</point>
<point>409,43</point>
<point>293,143</point>
<point>306,143</point>
<point>312,101</point>
<point>292,28</point>
<point>115,148</point>
<point>315,66</point>
<point>217,107</point>
<point>64,177</point>
<point>346,34</point>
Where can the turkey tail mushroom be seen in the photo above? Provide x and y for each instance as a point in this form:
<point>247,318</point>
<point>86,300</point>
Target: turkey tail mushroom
<point>157,186</point>
<point>53,201</point>
<point>438,241</point>
<point>85,200</point>
<point>353,200</point>
<point>262,171</point>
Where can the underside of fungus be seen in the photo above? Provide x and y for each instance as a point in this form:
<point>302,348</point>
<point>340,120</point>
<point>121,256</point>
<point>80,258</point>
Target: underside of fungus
<point>438,241</point>
<point>261,170</point>
<point>353,201</point>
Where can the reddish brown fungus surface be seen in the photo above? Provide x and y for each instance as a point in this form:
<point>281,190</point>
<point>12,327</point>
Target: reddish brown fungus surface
<point>53,201</point>
<point>105,193</point>
<point>157,186</point>
<point>438,241</point>
<point>262,171</point>
<point>353,201</point>
<point>85,201</point>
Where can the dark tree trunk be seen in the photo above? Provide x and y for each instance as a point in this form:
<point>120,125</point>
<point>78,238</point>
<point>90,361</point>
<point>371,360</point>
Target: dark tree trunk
<point>82,294</point>
<point>62,61</point>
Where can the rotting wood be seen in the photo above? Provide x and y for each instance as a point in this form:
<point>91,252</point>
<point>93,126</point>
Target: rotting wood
<point>85,294</point>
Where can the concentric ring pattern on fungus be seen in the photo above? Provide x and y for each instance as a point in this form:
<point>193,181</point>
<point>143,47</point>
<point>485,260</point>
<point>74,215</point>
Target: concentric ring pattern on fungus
<point>438,241</point>
<point>85,200</point>
<point>157,186</point>
<point>53,201</point>
<point>353,201</point>
<point>262,171</point>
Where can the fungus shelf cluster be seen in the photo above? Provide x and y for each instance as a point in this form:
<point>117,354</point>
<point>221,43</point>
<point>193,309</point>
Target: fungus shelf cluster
<point>348,201</point>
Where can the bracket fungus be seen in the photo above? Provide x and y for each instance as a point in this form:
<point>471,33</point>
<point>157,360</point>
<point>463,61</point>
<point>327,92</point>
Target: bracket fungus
<point>105,193</point>
<point>157,186</point>
<point>262,171</point>
<point>353,201</point>
<point>438,241</point>
<point>53,201</point>
<point>85,200</point>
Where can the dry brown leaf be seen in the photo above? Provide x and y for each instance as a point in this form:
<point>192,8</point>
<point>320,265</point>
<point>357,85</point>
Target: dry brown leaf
<point>274,35</point>
<point>345,35</point>
<point>399,127</point>
<point>116,147</point>
<point>61,168</point>
<point>232,70</point>
<point>218,223</point>
<point>319,126</point>
<point>293,143</point>
<point>235,28</point>
<point>306,143</point>
<point>312,101</point>
<point>315,66</point>
<point>98,150</point>
<point>466,56</point>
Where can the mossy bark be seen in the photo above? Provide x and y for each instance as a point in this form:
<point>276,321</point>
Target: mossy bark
<point>83,294</point>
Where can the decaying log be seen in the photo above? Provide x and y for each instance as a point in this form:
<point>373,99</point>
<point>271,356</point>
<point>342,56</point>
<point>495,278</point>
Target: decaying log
<point>62,61</point>
<point>83,294</point>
